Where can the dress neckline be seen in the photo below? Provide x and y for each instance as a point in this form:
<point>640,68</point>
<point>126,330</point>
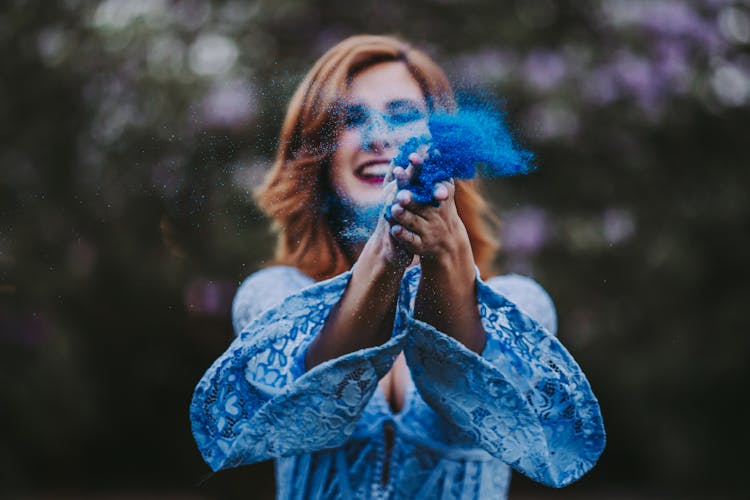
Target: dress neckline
<point>408,400</point>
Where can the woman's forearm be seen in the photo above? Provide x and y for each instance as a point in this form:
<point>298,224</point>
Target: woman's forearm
<point>364,316</point>
<point>447,298</point>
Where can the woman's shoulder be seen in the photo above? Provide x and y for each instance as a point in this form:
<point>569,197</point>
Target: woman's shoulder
<point>276,275</point>
<point>263,289</point>
<point>516,282</point>
<point>272,281</point>
<point>529,296</point>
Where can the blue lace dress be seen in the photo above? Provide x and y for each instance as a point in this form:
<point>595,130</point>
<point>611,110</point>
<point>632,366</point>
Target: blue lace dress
<point>524,403</point>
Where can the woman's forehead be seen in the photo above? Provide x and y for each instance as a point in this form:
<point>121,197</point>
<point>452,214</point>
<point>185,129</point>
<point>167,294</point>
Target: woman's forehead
<point>383,84</point>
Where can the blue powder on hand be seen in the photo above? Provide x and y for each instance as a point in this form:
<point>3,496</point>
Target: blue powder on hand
<point>460,144</point>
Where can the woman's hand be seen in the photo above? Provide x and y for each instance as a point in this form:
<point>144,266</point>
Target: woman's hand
<point>446,297</point>
<point>432,232</point>
<point>364,316</point>
<point>383,244</point>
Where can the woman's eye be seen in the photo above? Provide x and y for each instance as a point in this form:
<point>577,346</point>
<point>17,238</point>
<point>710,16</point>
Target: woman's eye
<point>355,116</point>
<point>405,117</point>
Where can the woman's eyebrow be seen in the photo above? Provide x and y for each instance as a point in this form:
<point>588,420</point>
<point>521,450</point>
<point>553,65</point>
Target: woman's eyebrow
<point>403,103</point>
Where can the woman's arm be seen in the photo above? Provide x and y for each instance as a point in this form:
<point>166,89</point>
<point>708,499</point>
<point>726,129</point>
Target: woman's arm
<point>262,290</point>
<point>486,366</point>
<point>525,400</point>
<point>447,297</point>
<point>300,373</point>
<point>257,401</point>
<point>365,314</point>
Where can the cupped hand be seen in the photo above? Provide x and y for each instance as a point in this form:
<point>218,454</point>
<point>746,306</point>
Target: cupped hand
<point>382,244</point>
<point>432,232</point>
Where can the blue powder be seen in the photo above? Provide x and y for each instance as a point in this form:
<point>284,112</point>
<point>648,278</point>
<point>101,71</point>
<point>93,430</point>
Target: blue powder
<point>353,223</point>
<point>460,144</point>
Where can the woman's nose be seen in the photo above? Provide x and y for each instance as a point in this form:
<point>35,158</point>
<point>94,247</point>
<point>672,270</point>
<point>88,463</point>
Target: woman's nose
<point>377,135</point>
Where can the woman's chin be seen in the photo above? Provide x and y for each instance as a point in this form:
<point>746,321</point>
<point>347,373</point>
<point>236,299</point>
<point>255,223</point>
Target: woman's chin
<point>368,195</point>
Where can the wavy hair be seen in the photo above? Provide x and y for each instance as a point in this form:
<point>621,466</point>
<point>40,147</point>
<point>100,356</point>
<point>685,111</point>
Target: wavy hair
<point>293,191</point>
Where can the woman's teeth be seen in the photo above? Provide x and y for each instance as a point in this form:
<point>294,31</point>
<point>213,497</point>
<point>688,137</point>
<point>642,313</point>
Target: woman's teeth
<point>373,174</point>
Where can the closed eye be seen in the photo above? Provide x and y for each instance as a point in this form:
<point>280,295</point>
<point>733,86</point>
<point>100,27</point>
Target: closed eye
<point>403,117</point>
<point>403,111</point>
<point>355,115</point>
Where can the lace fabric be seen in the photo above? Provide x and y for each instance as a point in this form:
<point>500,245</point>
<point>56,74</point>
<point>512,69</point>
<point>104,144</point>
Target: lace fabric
<point>524,402</point>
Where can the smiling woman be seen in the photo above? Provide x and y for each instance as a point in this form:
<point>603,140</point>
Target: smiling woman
<point>313,132</point>
<point>384,107</point>
<point>376,362</point>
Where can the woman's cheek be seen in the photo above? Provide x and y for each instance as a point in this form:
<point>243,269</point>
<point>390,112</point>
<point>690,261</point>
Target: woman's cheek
<point>406,132</point>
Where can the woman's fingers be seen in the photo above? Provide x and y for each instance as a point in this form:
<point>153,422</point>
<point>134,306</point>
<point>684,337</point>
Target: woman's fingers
<point>405,175</point>
<point>444,190</point>
<point>406,218</point>
<point>402,178</point>
<point>412,241</point>
<point>389,174</point>
<point>389,192</point>
<point>416,159</point>
<point>405,198</point>
<point>440,193</point>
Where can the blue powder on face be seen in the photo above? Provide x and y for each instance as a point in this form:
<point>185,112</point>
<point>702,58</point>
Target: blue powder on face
<point>460,144</point>
<point>353,223</point>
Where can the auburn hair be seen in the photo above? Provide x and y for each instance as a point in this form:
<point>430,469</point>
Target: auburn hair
<point>293,190</point>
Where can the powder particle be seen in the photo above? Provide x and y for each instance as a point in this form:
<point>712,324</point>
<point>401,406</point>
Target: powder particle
<point>460,144</point>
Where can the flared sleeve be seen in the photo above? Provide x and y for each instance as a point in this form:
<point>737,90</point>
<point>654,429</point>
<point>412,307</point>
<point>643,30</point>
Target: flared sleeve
<point>257,402</point>
<point>525,399</point>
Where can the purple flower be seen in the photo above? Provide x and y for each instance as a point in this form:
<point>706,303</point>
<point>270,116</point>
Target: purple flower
<point>545,122</point>
<point>672,64</point>
<point>637,78</point>
<point>230,104</point>
<point>671,17</point>
<point>483,67</point>
<point>525,230</point>
<point>208,297</point>
<point>544,70</point>
<point>617,225</point>
<point>600,87</point>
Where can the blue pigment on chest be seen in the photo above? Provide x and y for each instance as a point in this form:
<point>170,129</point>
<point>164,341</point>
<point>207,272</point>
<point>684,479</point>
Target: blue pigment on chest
<point>460,145</point>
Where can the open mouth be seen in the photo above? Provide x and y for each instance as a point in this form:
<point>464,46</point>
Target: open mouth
<point>373,172</point>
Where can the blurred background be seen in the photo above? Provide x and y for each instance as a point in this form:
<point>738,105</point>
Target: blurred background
<point>132,133</point>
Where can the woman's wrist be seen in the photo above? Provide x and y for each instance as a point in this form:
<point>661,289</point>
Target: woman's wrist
<point>446,297</point>
<point>364,315</point>
<point>377,263</point>
<point>383,254</point>
<point>456,263</point>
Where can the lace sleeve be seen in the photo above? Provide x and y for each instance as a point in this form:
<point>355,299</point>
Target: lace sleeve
<point>525,400</point>
<point>529,297</point>
<point>264,289</point>
<point>257,402</point>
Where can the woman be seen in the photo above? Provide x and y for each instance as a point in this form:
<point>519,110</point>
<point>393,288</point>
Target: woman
<point>373,362</point>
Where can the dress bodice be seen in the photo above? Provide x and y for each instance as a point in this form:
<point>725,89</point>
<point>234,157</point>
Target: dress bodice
<point>467,418</point>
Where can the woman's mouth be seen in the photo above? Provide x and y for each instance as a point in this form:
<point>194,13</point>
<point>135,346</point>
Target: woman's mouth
<point>373,172</point>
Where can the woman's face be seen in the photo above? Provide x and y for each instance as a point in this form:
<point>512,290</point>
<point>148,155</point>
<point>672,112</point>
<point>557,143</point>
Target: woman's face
<point>384,107</point>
